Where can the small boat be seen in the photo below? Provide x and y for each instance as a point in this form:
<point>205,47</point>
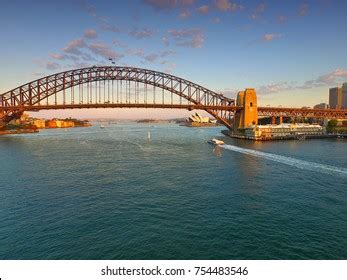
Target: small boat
<point>215,142</point>
<point>102,126</point>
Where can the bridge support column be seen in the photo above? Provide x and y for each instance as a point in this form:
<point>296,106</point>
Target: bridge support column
<point>273,120</point>
<point>280,120</point>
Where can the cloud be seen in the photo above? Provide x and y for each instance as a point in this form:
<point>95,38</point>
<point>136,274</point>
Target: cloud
<point>151,57</point>
<point>78,65</point>
<point>165,41</point>
<point>203,9</point>
<point>258,10</point>
<point>140,34</point>
<point>327,80</point>
<point>110,27</point>
<point>193,38</point>
<point>226,5</point>
<point>167,53</point>
<point>228,92</point>
<point>137,52</point>
<point>169,66</point>
<point>271,36</point>
<point>74,46</point>
<point>168,4</point>
<point>57,56</point>
<point>282,18</point>
<point>303,9</point>
<point>120,44</point>
<point>52,65</point>
<point>103,22</point>
<point>216,20</point>
<point>90,34</point>
<point>104,50</point>
<point>90,9</point>
<point>184,15</point>
<point>274,88</point>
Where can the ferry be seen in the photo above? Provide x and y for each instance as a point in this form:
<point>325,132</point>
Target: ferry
<point>215,142</point>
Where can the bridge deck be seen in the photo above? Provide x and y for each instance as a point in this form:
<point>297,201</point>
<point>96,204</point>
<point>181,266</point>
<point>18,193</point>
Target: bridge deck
<point>262,111</point>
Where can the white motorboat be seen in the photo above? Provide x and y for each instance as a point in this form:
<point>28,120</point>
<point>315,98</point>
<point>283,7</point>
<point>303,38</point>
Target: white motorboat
<point>216,142</point>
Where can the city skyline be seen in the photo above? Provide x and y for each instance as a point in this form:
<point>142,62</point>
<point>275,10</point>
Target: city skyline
<point>291,53</point>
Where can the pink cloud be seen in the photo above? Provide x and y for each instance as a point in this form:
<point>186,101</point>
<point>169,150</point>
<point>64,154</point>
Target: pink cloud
<point>203,9</point>
<point>271,36</point>
<point>104,50</point>
<point>303,9</point>
<point>282,18</point>
<point>258,10</point>
<point>57,56</point>
<point>193,37</point>
<point>184,15</point>
<point>52,65</point>
<point>90,34</point>
<point>74,46</point>
<point>226,5</point>
<point>330,79</point>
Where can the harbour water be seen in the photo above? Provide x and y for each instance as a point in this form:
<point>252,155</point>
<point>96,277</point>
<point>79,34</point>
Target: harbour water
<point>115,193</point>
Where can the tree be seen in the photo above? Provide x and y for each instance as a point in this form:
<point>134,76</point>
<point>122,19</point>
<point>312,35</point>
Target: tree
<point>331,125</point>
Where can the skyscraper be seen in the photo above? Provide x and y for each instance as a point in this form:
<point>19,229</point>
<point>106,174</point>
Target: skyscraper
<point>344,96</point>
<point>335,97</point>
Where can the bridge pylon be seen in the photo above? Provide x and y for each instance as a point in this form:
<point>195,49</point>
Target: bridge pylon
<point>248,114</point>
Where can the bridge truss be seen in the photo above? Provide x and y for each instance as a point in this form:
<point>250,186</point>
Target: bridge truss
<point>112,86</point>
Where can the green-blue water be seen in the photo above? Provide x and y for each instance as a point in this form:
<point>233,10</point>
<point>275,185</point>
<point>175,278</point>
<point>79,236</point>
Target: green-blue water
<point>92,193</point>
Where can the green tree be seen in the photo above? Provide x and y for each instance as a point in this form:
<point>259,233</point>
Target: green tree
<point>331,125</point>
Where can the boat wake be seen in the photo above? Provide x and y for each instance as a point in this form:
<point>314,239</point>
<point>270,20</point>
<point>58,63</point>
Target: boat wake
<point>302,164</point>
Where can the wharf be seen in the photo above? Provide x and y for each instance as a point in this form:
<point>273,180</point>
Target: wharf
<point>289,137</point>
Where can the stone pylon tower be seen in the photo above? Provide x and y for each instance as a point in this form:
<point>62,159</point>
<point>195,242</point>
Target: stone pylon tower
<point>248,114</point>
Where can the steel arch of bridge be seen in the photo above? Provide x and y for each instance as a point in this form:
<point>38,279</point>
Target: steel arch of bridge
<point>30,95</point>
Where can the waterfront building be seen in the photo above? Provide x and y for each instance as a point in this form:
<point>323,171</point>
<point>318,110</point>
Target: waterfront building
<point>335,98</point>
<point>282,131</point>
<point>344,96</point>
<point>321,106</point>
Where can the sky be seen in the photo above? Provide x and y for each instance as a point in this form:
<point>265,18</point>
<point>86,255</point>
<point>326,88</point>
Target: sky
<point>291,51</point>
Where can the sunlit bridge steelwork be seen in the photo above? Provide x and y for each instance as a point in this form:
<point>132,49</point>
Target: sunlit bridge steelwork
<point>129,87</point>
<point>113,87</point>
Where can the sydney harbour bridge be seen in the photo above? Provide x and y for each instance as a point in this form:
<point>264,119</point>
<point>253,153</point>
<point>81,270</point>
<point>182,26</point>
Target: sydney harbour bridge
<point>129,87</point>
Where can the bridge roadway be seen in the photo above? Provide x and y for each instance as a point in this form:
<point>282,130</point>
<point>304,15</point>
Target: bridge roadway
<point>262,111</point>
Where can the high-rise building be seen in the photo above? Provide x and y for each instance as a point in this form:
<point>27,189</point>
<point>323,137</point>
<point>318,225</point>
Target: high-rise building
<point>321,106</point>
<point>344,96</point>
<point>335,98</point>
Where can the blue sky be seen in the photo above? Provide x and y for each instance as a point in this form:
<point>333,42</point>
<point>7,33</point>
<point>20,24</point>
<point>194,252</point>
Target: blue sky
<point>290,51</point>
